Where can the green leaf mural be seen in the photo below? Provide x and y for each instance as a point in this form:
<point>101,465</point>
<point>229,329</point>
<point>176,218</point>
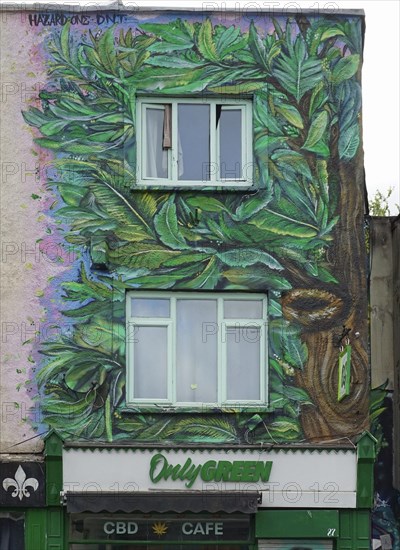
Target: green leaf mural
<point>305,93</point>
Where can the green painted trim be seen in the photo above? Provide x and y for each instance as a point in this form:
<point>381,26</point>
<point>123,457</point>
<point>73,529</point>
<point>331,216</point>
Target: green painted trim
<point>355,530</point>
<point>352,527</point>
<point>53,444</point>
<point>44,528</point>
<point>366,452</point>
<point>35,528</point>
<point>297,523</point>
<point>53,454</point>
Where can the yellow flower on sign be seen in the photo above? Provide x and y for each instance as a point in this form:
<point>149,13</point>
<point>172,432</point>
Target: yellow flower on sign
<point>159,528</point>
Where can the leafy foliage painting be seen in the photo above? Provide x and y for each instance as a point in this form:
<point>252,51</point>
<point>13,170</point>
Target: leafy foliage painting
<point>303,75</point>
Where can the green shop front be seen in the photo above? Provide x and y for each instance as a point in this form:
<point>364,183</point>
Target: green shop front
<point>125,497</point>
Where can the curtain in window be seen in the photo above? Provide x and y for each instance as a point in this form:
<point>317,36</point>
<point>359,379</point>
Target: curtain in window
<point>11,532</point>
<point>156,155</point>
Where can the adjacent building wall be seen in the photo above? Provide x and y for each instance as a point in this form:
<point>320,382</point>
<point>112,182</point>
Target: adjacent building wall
<point>396,348</point>
<point>382,305</point>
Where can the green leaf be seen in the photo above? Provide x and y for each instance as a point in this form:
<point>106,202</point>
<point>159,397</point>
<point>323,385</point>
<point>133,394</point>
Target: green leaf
<point>205,429</point>
<point>257,47</point>
<point>236,89</point>
<point>295,352</point>
<point>84,378</point>
<point>320,148</point>
<point>205,41</point>
<point>257,278</point>
<point>64,40</point>
<point>104,335</point>
<point>53,127</point>
<point>88,310</point>
<point>167,80</point>
<point>291,162</point>
<point>297,72</point>
<point>318,99</point>
<point>207,203</point>
<point>317,130</point>
<point>285,427</point>
<point>297,394</point>
<point>166,225</point>
<point>345,68</point>
<point>71,146</point>
<point>349,141</point>
<point>189,258</point>
<point>175,35</point>
<point>281,224</point>
<point>230,41</point>
<point>252,205</point>
<point>291,114</point>
<point>135,255</point>
<point>106,50</point>
<point>207,279</point>
<point>34,117</point>
<point>277,400</point>
<point>71,194</point>
<point>331,32</point>
<point>244,257</point>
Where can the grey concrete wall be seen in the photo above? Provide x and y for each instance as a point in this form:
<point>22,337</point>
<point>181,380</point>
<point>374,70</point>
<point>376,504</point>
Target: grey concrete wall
<point>396,350</point>
<point>381,302</point>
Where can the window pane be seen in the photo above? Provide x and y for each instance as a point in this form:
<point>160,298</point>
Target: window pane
<point>243,309</point>
<point>150,362</point>
<point>149,307</point>
<point>230,144</point>
<point>193,142</point>
<point>156,156</point>
<point>196,351</point>
<point>243,363</point>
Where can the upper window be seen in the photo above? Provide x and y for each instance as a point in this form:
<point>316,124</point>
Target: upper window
<point>194,142</point>
<point>196,349</point>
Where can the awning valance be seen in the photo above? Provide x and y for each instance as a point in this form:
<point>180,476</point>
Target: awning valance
<point>168,501</point>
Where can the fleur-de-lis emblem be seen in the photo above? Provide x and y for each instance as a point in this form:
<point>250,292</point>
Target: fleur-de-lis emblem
<point>20,484</point>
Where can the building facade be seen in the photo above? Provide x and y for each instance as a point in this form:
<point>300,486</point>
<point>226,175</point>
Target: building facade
<point>185,322</point>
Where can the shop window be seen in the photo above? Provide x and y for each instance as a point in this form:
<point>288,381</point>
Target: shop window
<point>198,142</point>
<point>12,531</point>
<point>196,349</point>
<point>160,532</point>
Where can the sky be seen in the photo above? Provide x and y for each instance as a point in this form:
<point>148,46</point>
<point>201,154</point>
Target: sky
<point>381,69</point>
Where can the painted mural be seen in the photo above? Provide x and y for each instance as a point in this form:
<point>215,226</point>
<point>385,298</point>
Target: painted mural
<point>299,235</point>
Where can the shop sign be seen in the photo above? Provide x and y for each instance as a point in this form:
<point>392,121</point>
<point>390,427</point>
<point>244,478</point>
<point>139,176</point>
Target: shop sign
<point>157,528</point>
<point>290,478</point>
<point>211,470</point>
<point>22,484</point>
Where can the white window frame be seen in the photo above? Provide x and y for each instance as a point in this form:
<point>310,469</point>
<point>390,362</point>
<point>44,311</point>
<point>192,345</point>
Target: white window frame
<point>133,322</point>
<point>244,105</point>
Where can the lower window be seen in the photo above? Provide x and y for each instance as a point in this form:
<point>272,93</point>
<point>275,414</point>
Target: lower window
<point>196,349</point>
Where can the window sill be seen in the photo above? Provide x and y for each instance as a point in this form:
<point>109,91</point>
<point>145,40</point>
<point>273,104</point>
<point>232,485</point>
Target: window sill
<point>176,187</point>
<point>205,409</point>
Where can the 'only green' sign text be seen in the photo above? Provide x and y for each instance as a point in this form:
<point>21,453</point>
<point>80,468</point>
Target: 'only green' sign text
<point>212,470</point>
